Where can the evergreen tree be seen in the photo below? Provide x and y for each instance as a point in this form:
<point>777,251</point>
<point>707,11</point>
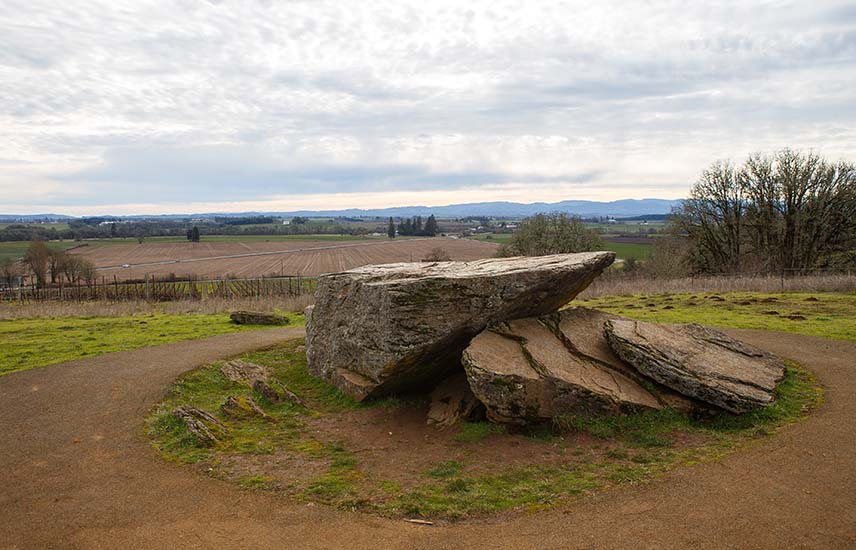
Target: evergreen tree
<point>390,231</point>
<point>417,225</point>
<point>431,228</point>
<point>194,234</point>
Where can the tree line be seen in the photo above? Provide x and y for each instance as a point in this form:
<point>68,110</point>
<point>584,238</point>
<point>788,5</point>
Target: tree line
<point>414,227</point>
<point>787,212</point>
<point>47,266</point>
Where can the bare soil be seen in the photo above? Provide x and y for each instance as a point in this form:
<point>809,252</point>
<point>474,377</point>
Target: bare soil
<point>78,472</point>
<point>255,259</point>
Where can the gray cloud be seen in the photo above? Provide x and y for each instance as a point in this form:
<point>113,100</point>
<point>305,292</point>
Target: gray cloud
<point>125,101</point>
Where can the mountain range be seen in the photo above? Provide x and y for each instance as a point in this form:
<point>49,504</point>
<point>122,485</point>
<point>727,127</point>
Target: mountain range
<point>625,208</point>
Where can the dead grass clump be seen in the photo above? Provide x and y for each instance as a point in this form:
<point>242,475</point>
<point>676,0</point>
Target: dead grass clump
<point>625,286</point>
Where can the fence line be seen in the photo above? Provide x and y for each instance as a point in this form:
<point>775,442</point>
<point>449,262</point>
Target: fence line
<point>163,291</point>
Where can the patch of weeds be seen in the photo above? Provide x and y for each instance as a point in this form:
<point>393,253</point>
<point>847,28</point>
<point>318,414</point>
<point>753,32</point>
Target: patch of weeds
<point>531,488</point>
<point>617,454</point>
<point>443,470</point>
<point>256,482</point>
<point>470,432</point>
<point>542,433</point>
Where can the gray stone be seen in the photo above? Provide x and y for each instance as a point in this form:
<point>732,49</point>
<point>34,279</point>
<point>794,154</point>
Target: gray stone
<point>257,318</point>
<point>526,370</point>
<point>395,328</point>
<point>700,362</point>
<point>276,392</point>
<point>453,400</point>
<point>240,407</point>
<point>199,423</point>
<point>243,371</point>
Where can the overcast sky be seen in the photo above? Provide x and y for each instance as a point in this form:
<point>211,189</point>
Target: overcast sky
<point>183,105</point>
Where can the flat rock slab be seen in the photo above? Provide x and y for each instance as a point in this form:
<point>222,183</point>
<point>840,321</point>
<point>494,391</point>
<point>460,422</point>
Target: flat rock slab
<point>257,318</point>
<point>395,328</point>
<point>526,370</point>
<point>699,362</point>
<point>584,331</point>
<point>243,371</point>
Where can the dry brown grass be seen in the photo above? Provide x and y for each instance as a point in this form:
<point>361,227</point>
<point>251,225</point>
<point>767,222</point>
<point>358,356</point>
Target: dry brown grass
<point>620,286</point>
<point>36,310</point>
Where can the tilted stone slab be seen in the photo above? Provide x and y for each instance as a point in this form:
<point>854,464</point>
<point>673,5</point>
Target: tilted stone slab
<point>526,370</point>
<point>402,327</point>
<point>699,362</point>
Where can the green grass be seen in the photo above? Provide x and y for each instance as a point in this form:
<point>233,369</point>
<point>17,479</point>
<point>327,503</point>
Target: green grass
<point>629,250</point>
<point>622,250</point>
<point>31,343</point>
<point>830,316</point>
<point>15,249</point>
<point>469,432</point>
<point>594,453</point>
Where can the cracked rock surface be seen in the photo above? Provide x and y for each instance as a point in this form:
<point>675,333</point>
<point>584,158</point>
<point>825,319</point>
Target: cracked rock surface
<point>699,362</point>
<point>535,369</point>
<point>395,328</point>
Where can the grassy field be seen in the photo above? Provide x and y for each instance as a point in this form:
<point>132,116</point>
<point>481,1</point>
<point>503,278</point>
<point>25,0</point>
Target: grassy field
<point>622,250</point>
<point>477,473</point>
<point>31,343</point>
<point>15,249</point>
<point>815,314</point>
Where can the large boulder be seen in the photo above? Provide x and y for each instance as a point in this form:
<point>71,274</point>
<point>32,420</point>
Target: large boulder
<point>530,370</point>
<point>402,327</point>
<point>699,362</point>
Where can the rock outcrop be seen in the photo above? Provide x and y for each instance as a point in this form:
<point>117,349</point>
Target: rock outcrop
<point>699,362</point>
<point>199,424</point>
<point>240,407</point>
<point>400,327</point>
<point>243,371</point>
<point>535,369</point>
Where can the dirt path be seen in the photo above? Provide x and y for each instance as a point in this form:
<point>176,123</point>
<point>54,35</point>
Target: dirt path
<point>78,472</point>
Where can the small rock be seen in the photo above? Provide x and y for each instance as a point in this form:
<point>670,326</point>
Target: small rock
<point>265,390</point>
<point>242,371</point>
<point>453,400</point>
<point>242,407</point>
<point>257,318</point>
<point>276,392</point>
<point>197,423</point>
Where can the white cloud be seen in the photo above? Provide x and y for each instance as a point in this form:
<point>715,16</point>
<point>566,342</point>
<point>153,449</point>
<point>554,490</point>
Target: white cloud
<point>173,105</point>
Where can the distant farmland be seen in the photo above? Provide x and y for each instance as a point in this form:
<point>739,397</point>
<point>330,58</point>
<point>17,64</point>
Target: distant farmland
<point>256,258</point>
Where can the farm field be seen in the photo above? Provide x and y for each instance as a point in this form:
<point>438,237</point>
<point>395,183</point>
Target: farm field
<point>15,249</point>
<point>623,247</point>
<point>211,259</point>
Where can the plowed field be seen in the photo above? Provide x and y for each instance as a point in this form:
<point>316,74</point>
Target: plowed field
<point>254,259</point>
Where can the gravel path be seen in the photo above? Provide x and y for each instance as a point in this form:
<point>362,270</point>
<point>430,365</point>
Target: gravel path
<point>78,472</point>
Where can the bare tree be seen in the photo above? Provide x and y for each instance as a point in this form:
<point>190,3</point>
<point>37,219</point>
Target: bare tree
<point>9,272</point>
<point>36,259</point>
<point>438,255</point>
<point>789,211</point>
<point>713,218</point>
